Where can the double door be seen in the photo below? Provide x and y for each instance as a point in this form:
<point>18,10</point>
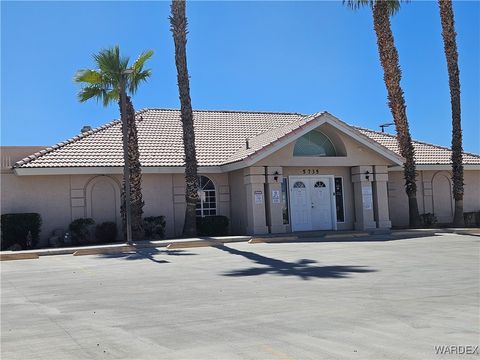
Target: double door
<point>312,203</point>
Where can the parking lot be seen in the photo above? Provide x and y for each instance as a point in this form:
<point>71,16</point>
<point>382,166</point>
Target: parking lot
<point>305,300</point>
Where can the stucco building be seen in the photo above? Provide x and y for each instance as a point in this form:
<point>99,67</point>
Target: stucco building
<point>267,172</point>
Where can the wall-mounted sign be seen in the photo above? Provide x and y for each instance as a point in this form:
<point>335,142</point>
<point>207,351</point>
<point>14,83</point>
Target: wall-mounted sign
<point>276,196</point>
<point>258,197</point>
<point>367,197</point>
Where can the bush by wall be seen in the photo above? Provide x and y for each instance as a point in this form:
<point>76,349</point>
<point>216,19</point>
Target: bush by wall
<point>472,218</point>
<point>212,225</point>
<point>428,219</point>
<point>22,229</point>
<point>154,227</point>
<point>81,230</point>
<point>106,232</point>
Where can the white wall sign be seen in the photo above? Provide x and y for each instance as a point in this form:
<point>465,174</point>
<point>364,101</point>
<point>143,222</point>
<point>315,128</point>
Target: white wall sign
<point>258,197</point>
<point>276,196</point>
<point>367,197</point>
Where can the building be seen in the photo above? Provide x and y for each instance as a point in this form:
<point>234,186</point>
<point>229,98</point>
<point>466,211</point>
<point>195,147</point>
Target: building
<point>267,172</point>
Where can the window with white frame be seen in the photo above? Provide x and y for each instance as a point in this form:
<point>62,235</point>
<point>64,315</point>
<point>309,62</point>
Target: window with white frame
<point>207,197</point>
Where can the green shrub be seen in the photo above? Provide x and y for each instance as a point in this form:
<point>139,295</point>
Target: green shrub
<point>154,227</point>
<point>106,232</point>
<point>428,219</point>
<point>22,229</point>
<point>212,225</point>
<point>80,230</point>
<point>472,219</point>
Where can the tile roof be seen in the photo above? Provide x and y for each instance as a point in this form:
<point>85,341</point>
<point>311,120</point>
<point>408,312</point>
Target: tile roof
<point>425,153</point>
<point>220,138</point>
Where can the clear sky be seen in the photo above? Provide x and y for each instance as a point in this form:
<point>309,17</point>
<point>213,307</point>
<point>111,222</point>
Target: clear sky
<point>271,56</point>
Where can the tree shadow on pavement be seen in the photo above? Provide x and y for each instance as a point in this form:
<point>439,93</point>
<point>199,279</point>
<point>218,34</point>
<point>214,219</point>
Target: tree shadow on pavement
<point>147,253</point>
<point>302,268</point>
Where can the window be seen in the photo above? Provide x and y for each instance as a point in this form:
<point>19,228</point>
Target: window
<point>319,184</point>
<point>207,200</point>
<point>285,201</point>
<point>314,143</point>
<point>339,199</point>
<point>298,185</point>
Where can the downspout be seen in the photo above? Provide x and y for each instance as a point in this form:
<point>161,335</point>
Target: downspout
<point>268,220</point>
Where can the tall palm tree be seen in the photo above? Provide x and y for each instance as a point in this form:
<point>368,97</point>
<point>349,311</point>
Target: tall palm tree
<point>178,26</point>
<point>105,83</point>
<point>392,74</point>
<point>451,54</point>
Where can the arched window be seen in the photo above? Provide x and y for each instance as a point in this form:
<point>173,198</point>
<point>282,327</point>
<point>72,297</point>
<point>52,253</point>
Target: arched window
<point>319,184</point>
<point>298,185</point>
<point>314,143</point>
<point>207,199</point>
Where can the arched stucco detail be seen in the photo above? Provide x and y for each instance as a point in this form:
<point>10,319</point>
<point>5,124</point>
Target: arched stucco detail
<point>103,199</point>
<point>442,197</point>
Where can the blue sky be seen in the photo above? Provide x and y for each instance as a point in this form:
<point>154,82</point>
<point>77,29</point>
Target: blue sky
<point>270,56</point>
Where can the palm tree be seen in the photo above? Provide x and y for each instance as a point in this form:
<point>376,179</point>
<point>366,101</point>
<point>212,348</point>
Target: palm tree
<point>392,74</point>
<point>108,83</point>
<point>451,54</point>
<point>178,26</point>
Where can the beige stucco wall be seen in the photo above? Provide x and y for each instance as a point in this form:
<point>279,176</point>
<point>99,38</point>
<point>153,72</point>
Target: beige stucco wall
<point>238,221</point>
<point>46,195</point>
<point>433,195</point>
<point>61,199</point>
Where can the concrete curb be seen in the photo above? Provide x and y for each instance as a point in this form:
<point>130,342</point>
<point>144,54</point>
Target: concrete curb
<point>14,256</point>
<point>276,239</point>
<point>121,247</point>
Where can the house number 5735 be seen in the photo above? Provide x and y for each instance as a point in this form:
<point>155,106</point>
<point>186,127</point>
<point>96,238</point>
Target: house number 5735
<point>310,171</point>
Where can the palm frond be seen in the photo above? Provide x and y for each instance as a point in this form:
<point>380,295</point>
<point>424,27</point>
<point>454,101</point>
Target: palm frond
<point>393,5</point>
<point>103,84</point>
<point>138,64</point>
<point>88,76</point>
<point>89,92</point>
<point>357,4</point>
<point>136,78</point>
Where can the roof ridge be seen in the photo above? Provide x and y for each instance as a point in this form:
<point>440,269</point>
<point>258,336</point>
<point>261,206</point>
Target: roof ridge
<point>232,111</point>
<point>417,141</point>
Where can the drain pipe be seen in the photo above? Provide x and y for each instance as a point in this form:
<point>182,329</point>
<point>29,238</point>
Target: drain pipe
<point>268,220</point>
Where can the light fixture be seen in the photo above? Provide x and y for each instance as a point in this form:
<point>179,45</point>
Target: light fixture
<point>367,175</point>
<point>276,176</point>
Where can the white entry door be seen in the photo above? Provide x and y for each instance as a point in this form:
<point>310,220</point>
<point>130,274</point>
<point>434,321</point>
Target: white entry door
<point>300,203</point>
<point>312,203</point>
<point>321,198</point>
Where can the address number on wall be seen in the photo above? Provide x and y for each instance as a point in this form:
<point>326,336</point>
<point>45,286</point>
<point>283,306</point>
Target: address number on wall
<point>310,171</point>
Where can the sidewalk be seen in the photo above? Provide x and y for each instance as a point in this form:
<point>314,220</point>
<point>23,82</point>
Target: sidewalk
<point>314,236</point>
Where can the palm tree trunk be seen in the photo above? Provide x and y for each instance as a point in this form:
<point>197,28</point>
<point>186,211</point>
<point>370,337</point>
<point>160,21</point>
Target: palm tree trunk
<point>178,26</point>
<point>135,179</point>
<point>392,76</point>
<point>451,54</point>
